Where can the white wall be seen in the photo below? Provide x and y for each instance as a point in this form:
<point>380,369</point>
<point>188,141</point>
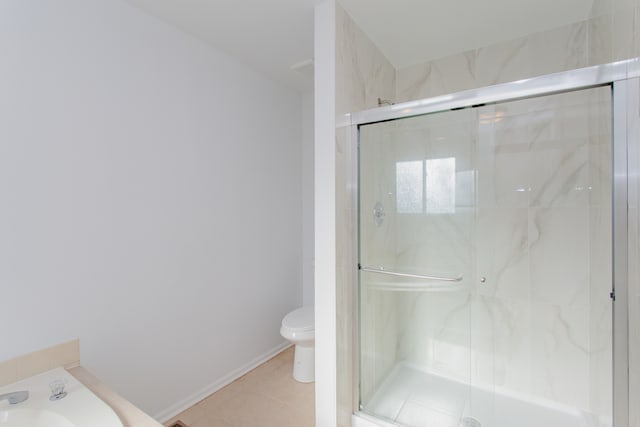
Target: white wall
<point>151,199</point>
<point>325,213</point>
<point>307,198</point>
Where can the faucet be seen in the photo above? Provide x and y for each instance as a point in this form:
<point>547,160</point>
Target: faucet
<point>15,397</point>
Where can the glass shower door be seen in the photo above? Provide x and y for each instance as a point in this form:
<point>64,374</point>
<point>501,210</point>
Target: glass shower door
<point>485,265</point>
<point>417,198</point>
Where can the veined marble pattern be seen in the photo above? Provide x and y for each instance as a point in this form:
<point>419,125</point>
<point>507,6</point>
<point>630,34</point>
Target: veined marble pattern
<point>345,261</point>
<point>625,29</point>
<point>437,335</point>
<point>446,75</point>
<point>538,54</point>
<point>610,33</point>
<point>502,311</point>
<point>502,249</point>
<point>557,50</point>
<point>559,255</point>
<point>362,75</point>
<point>600,39</point>
<point>384,147</point>
<point>517,342</point>
<point>536,253</point>
<point>600,319</point>
<point>614,31</point>
<point>378,340</point>
<point>378,246</point>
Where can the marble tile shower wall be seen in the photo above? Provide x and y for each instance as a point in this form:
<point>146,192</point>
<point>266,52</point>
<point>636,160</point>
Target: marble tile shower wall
<point>546,303</point>
<point>379,332</point>
<point>534,55</point>
<point>617,25</point>
<point>600,251</point>
<point>362,75</point>
<point>397,242</point>
<point>611,33</point>
<point>620,32</point>
<point>540,324</point>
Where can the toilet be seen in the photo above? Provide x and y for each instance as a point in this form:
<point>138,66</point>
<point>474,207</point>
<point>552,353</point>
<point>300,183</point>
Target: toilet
<point>298,327</point>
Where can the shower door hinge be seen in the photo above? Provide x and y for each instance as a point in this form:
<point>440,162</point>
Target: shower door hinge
<point>612,295</point>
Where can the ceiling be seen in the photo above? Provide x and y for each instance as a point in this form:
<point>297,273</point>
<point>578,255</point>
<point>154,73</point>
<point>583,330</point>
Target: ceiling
<point>275,37</point>
<point>269,36</point>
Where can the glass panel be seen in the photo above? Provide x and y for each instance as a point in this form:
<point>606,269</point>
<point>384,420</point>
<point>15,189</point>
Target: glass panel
<point>516,197</point>
<point>421,171</point>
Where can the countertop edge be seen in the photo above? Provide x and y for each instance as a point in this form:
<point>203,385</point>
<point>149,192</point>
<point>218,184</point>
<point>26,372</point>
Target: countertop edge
<point>130,415</point>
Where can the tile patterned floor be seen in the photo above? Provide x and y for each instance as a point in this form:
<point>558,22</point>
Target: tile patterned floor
<point>268,396</point>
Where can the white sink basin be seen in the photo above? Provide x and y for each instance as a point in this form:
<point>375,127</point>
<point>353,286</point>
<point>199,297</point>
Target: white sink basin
<point>33,418</point>
<point>80,407</point>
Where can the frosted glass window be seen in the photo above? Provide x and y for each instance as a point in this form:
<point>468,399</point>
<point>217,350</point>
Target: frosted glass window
<point>441,185</point>
<point>409,186</point>
<point>426,186</point>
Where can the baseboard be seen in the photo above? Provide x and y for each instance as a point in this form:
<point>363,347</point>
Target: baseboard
<point>173,410</point>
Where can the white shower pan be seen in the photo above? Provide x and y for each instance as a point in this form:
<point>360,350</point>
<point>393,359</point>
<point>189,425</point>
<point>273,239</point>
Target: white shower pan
<point>411,397</point>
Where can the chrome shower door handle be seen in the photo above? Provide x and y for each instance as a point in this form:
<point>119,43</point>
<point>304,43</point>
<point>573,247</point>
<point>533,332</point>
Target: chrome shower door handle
<point>381,270</point>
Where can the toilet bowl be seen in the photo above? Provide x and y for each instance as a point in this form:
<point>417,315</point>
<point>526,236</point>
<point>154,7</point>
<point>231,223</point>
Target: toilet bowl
<point>298,327</point>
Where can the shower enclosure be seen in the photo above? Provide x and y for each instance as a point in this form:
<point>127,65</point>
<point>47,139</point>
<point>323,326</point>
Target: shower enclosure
<point>493,268</point>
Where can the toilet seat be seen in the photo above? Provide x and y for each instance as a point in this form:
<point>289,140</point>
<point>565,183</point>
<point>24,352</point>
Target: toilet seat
<point>300,320</point>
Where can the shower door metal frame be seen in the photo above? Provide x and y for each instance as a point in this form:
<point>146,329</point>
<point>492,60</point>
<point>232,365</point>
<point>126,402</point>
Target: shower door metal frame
<point>620,285</point>
<point>624,79</point>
